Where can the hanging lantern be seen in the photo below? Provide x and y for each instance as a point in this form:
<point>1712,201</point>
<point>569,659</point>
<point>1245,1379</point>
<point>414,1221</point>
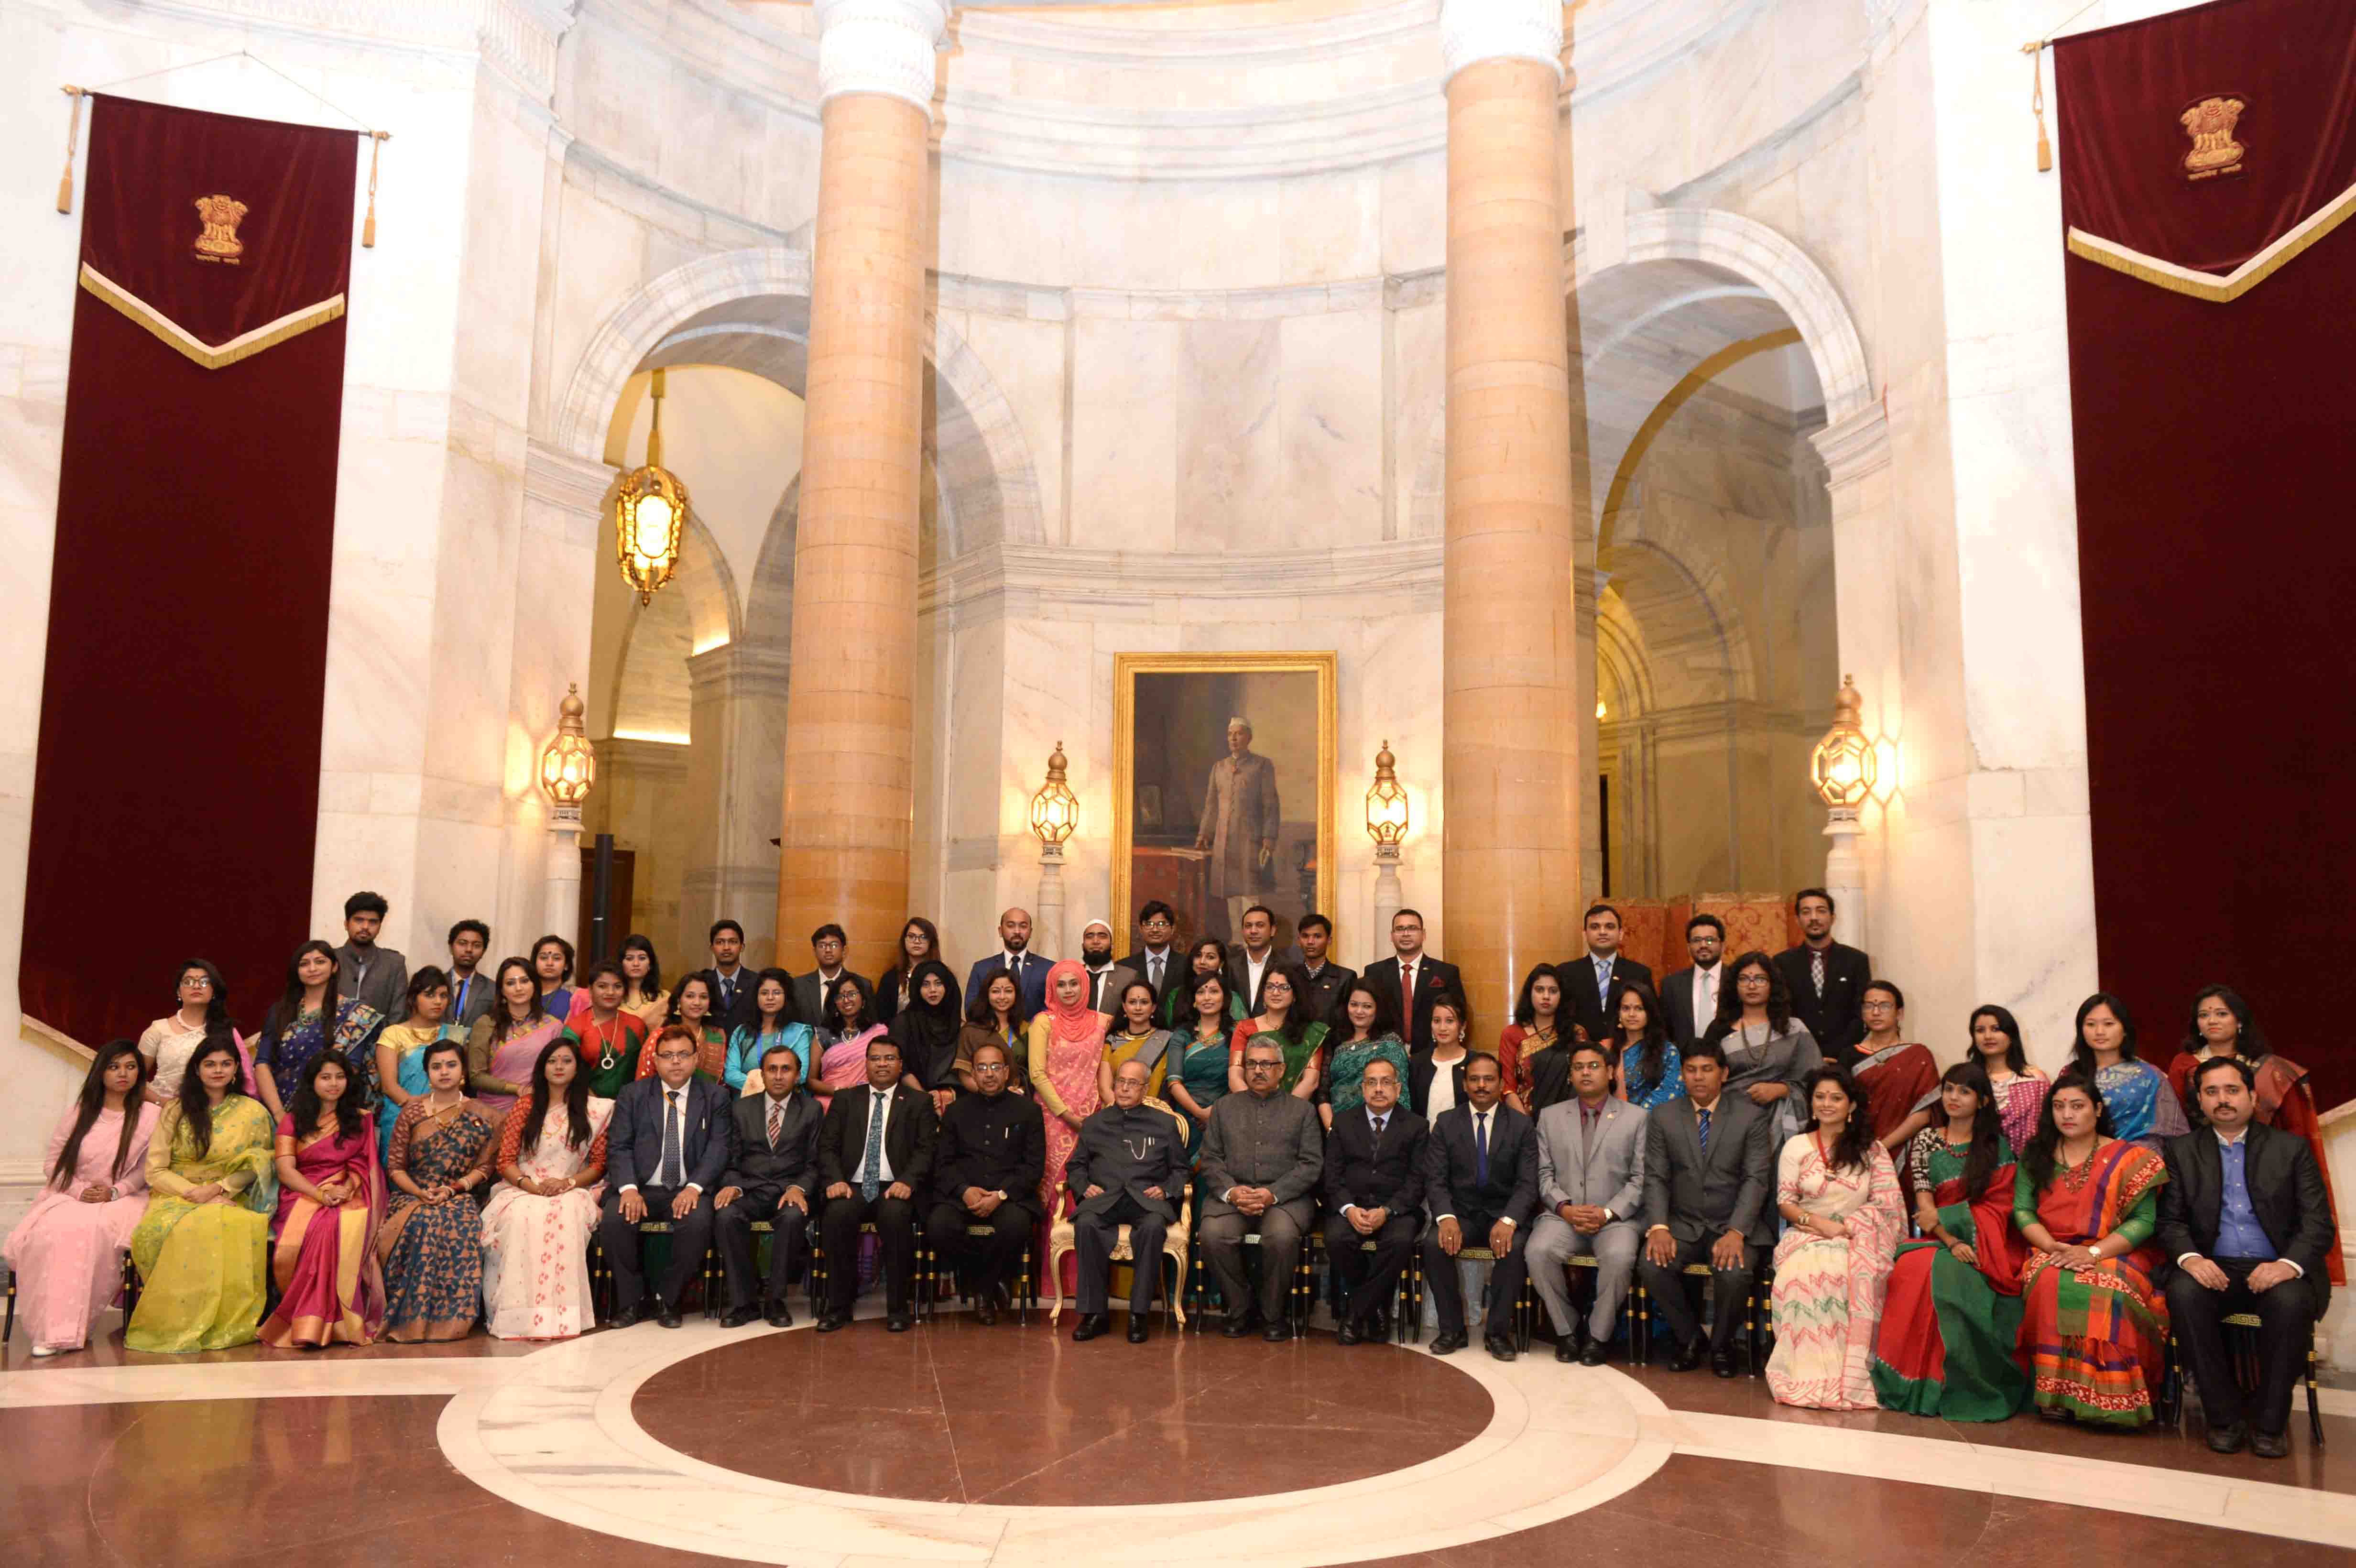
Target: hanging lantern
<point>1385,802</point>
<point>649,511</point>
<point>1843,767</point>
<point>569,766</point>
<point>1055,810</point>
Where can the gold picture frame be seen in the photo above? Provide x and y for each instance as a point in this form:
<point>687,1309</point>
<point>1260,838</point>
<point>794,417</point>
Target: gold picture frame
<point>1282,742</point>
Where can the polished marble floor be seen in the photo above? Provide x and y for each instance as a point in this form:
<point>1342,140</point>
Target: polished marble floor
<point>1011,1445</point>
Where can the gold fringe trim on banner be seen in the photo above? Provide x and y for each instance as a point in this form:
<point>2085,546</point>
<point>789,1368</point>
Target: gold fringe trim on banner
<point>2208,286</point>
<point>244,345</point>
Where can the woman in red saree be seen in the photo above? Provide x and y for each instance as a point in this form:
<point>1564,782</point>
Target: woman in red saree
<point>330,1201</point>
<point>2221,1024</point>
<point>1952,1311</point>
<point>1896,1076</point>
<point>2094,1326</point>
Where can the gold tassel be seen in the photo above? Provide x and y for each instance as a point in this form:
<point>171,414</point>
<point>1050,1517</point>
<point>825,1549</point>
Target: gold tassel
<point>377,140</point>
<point>73,135</point>
<point>2036,53</point>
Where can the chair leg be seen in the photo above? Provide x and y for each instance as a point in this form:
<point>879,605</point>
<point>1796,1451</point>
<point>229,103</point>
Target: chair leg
<point>2314,1406</point>
<point>9,1331</point>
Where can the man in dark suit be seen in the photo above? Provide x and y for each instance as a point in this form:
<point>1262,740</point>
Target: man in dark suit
<point>1587,979</point>
<point>1107,979</point>
<point>875,1154</point>
<point>1709,1175</point>
<point>1014,956</point>
<point>666,1147</point>
<point>1689,996</point>
<point>773,1176</point>
<point>1250,960</point>
<point>730,980</point>
<point>1481,1185</point>
<point>1128,1168</point>
<point>2247,1219</point>
<point>814,992</point>
<point>1414,978</point>
<point>1156,962</point>
<point>1827,980</point>
<point>986,1170</point>
<point>1376,1178</point>
<point>1328,982</point>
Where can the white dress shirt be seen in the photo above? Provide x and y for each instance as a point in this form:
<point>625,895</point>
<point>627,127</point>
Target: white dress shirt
<point>1704,997</point>
<point>883,1135</point>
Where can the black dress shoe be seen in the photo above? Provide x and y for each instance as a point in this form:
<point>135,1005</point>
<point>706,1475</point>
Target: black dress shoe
<point>669,1317</point>
<point>899,1322</point>
<point>1594,1353</point>
<point>1687,1358</point>
<point>739,1315</point>
<point>781,1315</point>
<point>1449,1341</point>
<point>1723,1363</point>
<point>829,1322</point>
<point>2271,1445</point>
<point>1235,1327</point>
<point>985,1312</point>
<point>627,1317</point>
<point>1501,1346</point>
<point>1349,1334</point>
<point>2229,1439</point>
<point>1278,1332</point>
<point>1566,1349</point>
<point>1090,1324</point>
<point>1136,1329</point>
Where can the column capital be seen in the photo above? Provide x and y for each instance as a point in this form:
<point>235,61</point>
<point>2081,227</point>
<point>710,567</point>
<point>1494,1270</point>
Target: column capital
<point>1472,31</point>
<point>880,46</point>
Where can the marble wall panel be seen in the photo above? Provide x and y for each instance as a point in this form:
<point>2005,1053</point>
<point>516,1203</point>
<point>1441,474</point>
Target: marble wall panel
<point>1230,454</point>
<point>1329,428</point>
<point>1332,227</point>
<point>1126,389</point>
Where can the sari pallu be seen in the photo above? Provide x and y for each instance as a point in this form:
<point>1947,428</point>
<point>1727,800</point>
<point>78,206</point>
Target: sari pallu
<point>842,1060</point>
<point>536,1248</point>
<point>1828,1291</point>
<point>432,1254</point>
<point>1349,1064</point>
<point>1948,1327</point>
<point>200,1265</point>
<point>330,1289</point>
<point>1298,1054</point>
<point>2144,1109</point>
<point>407,1042</point>
<point>1201,1065</point>
<point>511,1059</point>
<point>2091,1339</point>
<point>301,1042</point>
<point>611,1053</point>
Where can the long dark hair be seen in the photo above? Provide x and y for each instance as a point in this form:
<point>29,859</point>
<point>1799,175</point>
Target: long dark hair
<point>94,1102</point>
<point>1386,1022</point>
<point>2037,1159</point>
<point>1853,1149</point>
<point>637,943</point>
<point>1525,1011</point>
<point>306,1108</point>
<point>426,979</point>
<point>215,1010</point>
<point>864,1019</point>
<point>288,1008</point>
<point>1729,997</point>
<point>1190,1016</point>
<point>504,1022</point>
<point>1987,1150</point>
<point>1652,1046</point>
<point>1302,1013</point>
<point>2081,1055</point>
<point>2250,1044</point>
<point>576,1097</point>
<point>196,1105</point>
<point>787,1014</point>
<point>2014,1057</point>
<point>901,964</point>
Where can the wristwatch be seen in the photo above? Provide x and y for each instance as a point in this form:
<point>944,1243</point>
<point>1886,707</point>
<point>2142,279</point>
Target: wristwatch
<point>999,1194</point>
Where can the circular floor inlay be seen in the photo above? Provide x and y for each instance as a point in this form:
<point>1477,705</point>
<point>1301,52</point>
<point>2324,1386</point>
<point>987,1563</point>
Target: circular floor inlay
<point>1022,1417</point>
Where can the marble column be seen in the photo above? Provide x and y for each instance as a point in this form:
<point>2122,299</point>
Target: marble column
<point>849,779</point>
<point>1513,769</point>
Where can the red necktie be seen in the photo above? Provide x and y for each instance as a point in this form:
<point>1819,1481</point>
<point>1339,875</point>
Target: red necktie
<point>1406,997</point>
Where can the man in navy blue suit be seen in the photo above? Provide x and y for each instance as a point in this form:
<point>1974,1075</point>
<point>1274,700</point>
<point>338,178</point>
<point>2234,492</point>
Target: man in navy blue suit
<point>666,1147</point>
<point>1016,958</point>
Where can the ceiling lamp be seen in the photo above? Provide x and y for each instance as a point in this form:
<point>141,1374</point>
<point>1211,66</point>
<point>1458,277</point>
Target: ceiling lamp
<point>649,510</point>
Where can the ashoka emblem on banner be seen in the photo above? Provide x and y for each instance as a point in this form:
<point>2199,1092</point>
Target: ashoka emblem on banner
<point>220,216</point>
<point>2210,122</point>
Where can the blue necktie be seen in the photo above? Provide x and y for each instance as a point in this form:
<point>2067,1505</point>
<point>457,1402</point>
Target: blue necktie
<point>1480,1150</point>
<point>1603,983</point>
<point>871,1169</point>
<point>1704,1116</point>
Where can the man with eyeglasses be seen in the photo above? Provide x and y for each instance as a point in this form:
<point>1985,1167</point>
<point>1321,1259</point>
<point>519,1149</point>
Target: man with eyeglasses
<point>1262,1155</point>
<point>668,1147</point>
<point>987,1163</point>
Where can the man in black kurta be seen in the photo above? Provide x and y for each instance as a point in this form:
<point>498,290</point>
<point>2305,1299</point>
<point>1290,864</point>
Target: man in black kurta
<point>987,1163</point>
<point>1128,1169</point>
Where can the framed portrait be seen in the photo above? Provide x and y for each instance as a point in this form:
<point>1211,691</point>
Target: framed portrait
<point>1223,788</point>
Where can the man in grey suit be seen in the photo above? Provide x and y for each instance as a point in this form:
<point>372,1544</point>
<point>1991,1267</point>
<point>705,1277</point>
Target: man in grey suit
<point>772,1175</point>
<point>1708,1174</point>
<point>1592,1188</point>
<point>1262,1156</point>
<point>1128,1169</point>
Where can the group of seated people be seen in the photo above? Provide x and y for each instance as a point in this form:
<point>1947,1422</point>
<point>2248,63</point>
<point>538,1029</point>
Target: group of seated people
<point>401,1156</point>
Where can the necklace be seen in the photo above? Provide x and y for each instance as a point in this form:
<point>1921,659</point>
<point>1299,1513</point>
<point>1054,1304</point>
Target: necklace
<point>606,1060</point>
<point>2074,1177</point>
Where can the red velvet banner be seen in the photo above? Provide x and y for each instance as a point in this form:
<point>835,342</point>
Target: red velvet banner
<point>2212,437</point>
<point>176,789</point>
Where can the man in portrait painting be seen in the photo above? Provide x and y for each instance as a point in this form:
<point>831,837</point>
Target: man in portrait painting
<point>1239,826</point>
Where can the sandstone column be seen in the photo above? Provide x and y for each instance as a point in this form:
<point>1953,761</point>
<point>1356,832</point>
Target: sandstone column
<point>848,784</point>
<point>1513,773</point>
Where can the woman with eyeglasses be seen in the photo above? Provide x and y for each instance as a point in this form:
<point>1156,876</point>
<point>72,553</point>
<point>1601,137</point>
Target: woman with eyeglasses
<point>170,1042</point>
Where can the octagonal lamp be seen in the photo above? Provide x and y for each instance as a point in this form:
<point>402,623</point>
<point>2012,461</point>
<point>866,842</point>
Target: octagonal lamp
<point>568,768</point>
<point>1055,810</point>
<point>1843,767</point>
<point>1387,802</point>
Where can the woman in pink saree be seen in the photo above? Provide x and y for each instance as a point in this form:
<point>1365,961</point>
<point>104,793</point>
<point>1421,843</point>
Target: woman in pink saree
<point>841,1043</point>
<point>67,1250</point>
<point>1067,1042</point>
<point>330,1201</point>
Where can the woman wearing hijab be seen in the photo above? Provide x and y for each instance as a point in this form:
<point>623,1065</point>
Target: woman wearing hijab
<point>1067,1040</point>
<point>926,1029</point>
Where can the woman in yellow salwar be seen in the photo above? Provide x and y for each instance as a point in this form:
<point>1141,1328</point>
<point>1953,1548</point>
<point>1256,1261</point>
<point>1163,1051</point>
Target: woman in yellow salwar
<point>200,1248</point>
